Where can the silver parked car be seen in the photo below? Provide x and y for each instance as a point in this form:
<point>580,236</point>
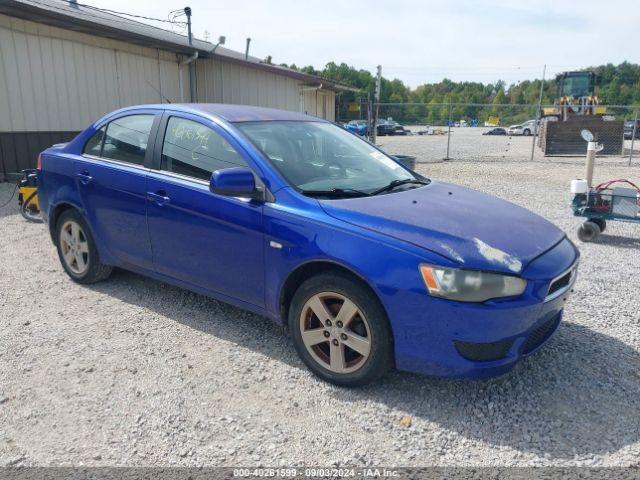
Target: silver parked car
<point>527,128</point>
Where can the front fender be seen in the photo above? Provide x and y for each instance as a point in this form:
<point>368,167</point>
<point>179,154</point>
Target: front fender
<point>306,234</point>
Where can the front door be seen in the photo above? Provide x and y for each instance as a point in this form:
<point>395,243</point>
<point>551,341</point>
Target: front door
<point>206,240</point>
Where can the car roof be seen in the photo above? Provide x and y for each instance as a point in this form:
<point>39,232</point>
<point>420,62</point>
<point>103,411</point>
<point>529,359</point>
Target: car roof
<point>232,113</point>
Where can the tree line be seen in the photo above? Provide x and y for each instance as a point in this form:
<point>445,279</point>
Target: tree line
<point>617,85</point>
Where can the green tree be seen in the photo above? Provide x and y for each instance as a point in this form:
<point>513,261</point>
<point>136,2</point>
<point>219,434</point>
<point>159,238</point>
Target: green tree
<point>617,85</point>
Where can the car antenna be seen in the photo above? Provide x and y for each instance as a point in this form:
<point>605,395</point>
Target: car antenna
<point>158,91</point>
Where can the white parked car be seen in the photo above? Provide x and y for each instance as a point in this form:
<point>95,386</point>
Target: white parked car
<point>526,129</point>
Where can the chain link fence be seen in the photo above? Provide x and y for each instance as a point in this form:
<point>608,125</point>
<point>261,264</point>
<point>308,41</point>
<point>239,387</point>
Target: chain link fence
<point>498,132</point>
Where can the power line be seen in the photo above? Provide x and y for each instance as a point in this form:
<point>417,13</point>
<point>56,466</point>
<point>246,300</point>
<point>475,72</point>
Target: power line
<point>114,12</point>
<point>122,20</point>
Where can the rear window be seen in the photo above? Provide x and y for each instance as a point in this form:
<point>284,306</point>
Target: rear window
<point>94,144</point>
<point>126,138</point>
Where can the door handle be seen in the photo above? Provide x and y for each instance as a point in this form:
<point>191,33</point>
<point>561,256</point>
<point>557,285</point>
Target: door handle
<point>160,197</point>
<point>84,177</point>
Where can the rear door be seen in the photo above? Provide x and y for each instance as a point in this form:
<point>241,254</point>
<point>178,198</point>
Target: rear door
<point>111,178</point>
<point>207,240</point>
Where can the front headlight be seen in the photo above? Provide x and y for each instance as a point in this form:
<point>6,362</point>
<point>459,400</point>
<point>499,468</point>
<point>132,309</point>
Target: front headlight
<point>469,285</point>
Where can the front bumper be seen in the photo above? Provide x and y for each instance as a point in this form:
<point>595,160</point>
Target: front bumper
<point>452,339</point>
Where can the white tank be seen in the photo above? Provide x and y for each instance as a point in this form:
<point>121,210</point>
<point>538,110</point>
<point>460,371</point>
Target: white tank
<point>579,186</point>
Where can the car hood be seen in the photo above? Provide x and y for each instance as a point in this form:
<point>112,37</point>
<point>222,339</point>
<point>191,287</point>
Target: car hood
<point>471,228</point>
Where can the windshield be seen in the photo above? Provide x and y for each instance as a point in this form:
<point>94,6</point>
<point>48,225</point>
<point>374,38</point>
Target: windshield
<point>319,156</point>
<point>577,85</point>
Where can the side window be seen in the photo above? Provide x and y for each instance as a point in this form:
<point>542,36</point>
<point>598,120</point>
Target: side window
<point>94,144</point>
<point>195,150</point>
<point>126,138</point>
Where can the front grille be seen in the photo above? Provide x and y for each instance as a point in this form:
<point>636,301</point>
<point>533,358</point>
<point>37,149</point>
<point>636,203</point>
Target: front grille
<point>540,334</point>
<point>483,352</point>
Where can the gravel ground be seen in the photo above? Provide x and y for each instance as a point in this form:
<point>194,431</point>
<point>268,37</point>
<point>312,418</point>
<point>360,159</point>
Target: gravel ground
<point>135,372</point>
<point>469,144</point>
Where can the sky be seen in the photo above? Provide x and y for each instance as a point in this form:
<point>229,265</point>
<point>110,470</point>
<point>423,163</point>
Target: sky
<point>419,41</point>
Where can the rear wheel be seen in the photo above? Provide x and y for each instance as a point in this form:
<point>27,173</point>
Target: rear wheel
<point>77,249</point>
<point>526,132</point>
<point>588,231</point>
<point>340,330</point>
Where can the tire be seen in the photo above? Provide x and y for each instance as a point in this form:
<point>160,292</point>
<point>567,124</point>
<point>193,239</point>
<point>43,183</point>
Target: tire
<point>526,132</point>
<point>588,231</point>
<point>77,249</point>
<point>28,211</point>
<point>601,222</point>
<point>365,327</point>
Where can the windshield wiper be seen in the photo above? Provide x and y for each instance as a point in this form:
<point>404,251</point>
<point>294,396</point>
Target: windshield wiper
<point>336,193</point>
<point>397,183</point>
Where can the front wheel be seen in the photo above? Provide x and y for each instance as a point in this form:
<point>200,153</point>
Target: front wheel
<point>77,249</point>
<point>340,330</point>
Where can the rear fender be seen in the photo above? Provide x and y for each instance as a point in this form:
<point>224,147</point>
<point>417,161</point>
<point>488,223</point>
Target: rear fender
<point>58,190</point>
<point>71,203</point>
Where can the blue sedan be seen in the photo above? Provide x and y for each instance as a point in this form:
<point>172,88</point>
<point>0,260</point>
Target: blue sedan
<point>361,127</point>
<point>369,264</point>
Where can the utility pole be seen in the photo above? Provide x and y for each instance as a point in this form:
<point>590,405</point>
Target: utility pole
<point>633,137</point>
<point>537,126</point>
<point>377,105</point>
<point>450,121</point>
<point>370,134</point>
<point>192,70</point>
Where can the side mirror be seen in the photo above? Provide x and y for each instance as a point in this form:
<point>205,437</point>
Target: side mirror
<point>233,182</point>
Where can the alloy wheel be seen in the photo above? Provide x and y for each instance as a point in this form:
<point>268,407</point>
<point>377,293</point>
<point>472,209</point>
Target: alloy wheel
<point>75,247</point>
<point>335,332</point>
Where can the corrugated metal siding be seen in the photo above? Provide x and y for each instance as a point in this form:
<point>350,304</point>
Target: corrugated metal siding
<point>223,82</point>
<point>320,103</point>
<point>18,148</point>
<point>52,79</point>
<point>54,82</point>
<point>58,80</point>
<point>310,101</point>
<point>331,105</point>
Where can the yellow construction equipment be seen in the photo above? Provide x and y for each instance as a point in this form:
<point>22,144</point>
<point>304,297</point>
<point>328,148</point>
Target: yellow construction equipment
<point>575,96</point>
<point>28,196</point>
<point>577,107</point>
